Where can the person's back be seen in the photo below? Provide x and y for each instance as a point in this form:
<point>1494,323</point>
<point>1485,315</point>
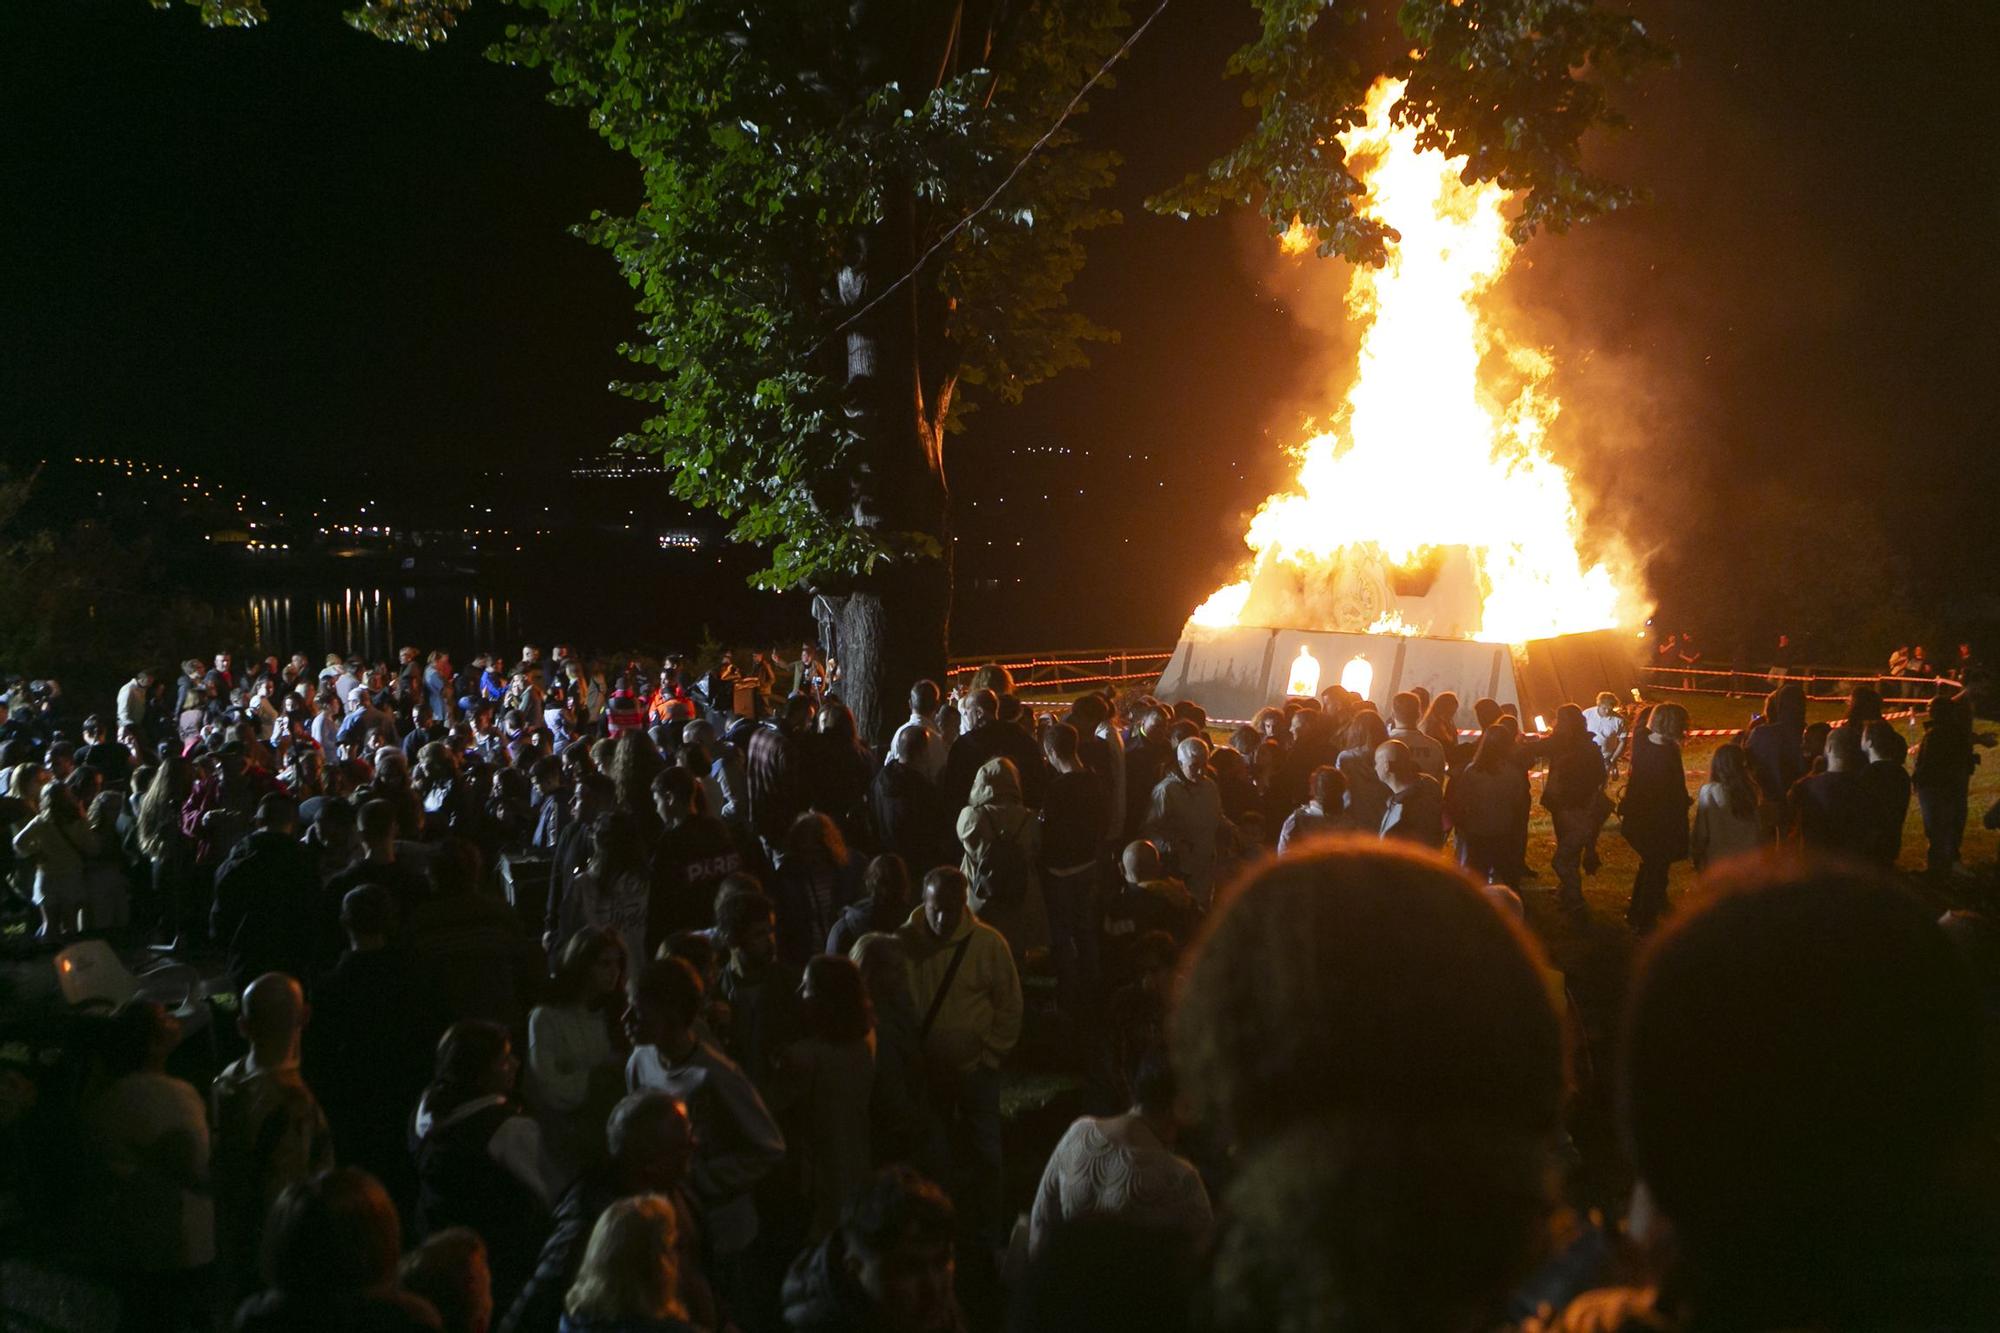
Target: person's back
<point>1834,811</point>
<point>1416,813</point>
<point>267,910</point>
<point>1378,1043</point>
<point>909,811</point>
<point>269,1130</point>
<point>1810,1121</point>
<point>331,1263</point>
<point>470,948</point>
<point>1889,790</point>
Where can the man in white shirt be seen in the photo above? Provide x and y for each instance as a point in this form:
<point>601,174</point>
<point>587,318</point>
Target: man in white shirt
<point>1609,729</point>
<point>924,699</point>
<point>1405,711</point>
<point>132,700</point>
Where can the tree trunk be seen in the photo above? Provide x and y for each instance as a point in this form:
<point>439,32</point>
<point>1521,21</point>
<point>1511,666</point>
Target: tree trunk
<point>889,627</point>
<point>888,632</point>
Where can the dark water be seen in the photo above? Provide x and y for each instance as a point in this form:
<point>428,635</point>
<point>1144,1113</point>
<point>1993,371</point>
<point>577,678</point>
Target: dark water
<point>638,611</point>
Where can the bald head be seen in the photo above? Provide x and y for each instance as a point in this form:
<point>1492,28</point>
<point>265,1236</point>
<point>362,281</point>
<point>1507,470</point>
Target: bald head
<point>274,1010</point>
<point>1141,861</point>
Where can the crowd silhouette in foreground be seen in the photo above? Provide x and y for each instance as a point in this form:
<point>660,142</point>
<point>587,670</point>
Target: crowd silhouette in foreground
<point>551,995</point>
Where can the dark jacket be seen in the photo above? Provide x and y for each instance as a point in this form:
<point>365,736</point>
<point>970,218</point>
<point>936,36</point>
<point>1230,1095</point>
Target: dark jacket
<point>996,740</point>
<point>538,1309</point>
<point>1776,761</point>
<point>1654,813</point>
<point>863,918</point>
<point>355,1312</point>
<point>1073,820</point>
<point>476,958</point>
<point>1835,813</point>
<point>911,818</point>
<point>1417,813</point>
<point>461,1185</point>
<point>266,908</point>
<point>689,864</point>
<point>1889,808</point>
<point>1576,775</point>
<point>821,1296</point>
<point>367,1054</point>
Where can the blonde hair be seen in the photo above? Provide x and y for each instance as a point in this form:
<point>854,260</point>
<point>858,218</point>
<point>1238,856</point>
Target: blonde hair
<point>631,1269</point>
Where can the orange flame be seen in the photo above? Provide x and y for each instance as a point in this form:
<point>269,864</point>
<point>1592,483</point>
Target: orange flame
<point>1431,506</point>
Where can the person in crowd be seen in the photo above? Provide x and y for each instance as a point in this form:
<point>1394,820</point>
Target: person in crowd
<point>1415,810</point>
<point>1440,723</point>
<point>758,988</point>
<point>775,780</point>
<point>1608,728</point>
<point>1367,796</point>
<point>1405,725</point>
<point>629,1279</point>
<point>965,986</point>
<point>369,1050</point>
<point>903,1127</point>
<point>839,769</point>
<point>1810,1122</point>
<point>1435,1128</point>
<point>1147,900</point>
<point>1888,790</point>
<point>986,737</point>
<point>909,813</point>
<point>333,836</point>
<point>737,1143</point>
<point>696,852</point>
<point>885,903</point>
<point>1833,810</point>
<point>101,751</point>
<point>169,850</point>
<point>1186,822</point>
<point>375,825</point>
<point>1573,794</point>
<point>816,879</point>
<point>149,1215</point>
<point>1654,813</point>
<point>58,843</point>
<point>451,1273</point>
<point>1002,841</point>
<point>612,892</point>
<point>1725,810</point>
<point>823,1084</point>
<point>1774,746</point>
<point>1125,1167</point>
<point>1488,803</point>
<point>651,1143</point>
<point>929,754</point>
<point>470,947</point>
<point>480,1158</point>
<point>1073,822</point>
<point>268,914</point>
<point>1323,814</point>
<point>574,1073</point>
<point>1942,778</point>
<point>891,1264</point>
<point>330,1252</point>
<point>269,1130</point>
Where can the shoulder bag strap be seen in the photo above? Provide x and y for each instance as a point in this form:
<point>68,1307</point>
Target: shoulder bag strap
<point>944,988</point>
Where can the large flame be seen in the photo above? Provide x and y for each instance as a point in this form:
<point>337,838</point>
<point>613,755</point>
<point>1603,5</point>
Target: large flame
<point>1431,506</point>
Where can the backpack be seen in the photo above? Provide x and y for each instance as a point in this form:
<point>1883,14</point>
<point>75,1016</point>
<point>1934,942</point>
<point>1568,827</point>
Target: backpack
<point>1005,871</point>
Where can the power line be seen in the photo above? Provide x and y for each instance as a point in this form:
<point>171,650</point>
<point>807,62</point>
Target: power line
<point>1001,188</point>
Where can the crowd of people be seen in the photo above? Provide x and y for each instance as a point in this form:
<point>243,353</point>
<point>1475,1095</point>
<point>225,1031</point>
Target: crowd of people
<point>593,997</point>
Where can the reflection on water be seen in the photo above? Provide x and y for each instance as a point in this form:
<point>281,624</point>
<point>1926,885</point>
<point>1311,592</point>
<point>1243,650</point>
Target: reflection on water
<point>365,621</point>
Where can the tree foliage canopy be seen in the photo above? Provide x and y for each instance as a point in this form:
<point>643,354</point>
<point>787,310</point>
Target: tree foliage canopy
<point>775,138</point>
<point>1493,81</point>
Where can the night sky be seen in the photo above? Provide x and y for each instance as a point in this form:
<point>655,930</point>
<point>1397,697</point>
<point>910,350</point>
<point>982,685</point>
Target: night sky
<point>290,253</point>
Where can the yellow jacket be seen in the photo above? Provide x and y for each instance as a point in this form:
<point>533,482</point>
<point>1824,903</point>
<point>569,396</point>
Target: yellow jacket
<point>981,1017</point>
